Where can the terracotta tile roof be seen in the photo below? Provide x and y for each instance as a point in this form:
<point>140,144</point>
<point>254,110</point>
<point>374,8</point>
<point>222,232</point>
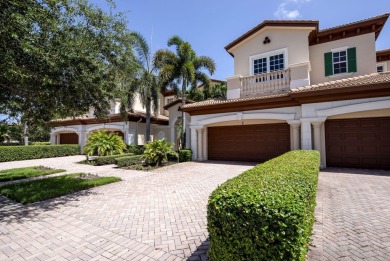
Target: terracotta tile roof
<point>375,78</point>
<point>371,79</point>
<point>133,114</point>
<point>385,15</point>
<point>383,51</point>
<point>215,101</point>
<point>176,101</point>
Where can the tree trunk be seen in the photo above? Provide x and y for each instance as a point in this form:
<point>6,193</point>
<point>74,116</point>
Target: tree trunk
<point>25,132</point>
<point>183,117</point>
<point>148,106</point>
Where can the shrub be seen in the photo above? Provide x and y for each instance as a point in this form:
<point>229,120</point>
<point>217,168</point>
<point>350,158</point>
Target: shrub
<point>128,161</point>
<point>157,151</point>
<point>185,155</point>
<point>106,160</point>
<point>136,149</point>
<point>103,143</point>
<point>13,153</point>
<point>10,144</point>
<point>267,212</point>
<point>38,143</point>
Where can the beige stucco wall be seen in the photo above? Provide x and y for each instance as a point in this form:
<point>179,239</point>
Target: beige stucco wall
<point>365,57</point>
<point>294,39</point>
<point>362,114</point>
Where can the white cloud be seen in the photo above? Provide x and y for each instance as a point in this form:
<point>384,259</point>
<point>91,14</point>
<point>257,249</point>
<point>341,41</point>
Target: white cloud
<point>288,9</point>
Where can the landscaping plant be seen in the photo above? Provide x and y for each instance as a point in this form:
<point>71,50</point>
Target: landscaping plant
<point>103,143</point>
<point>12,153</point>
<point>157,151</point>
<point>267,212</point>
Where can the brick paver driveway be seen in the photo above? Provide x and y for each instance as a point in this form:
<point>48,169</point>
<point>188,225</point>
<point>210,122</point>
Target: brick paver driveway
<point>352,215</point>
<point>157,215</point>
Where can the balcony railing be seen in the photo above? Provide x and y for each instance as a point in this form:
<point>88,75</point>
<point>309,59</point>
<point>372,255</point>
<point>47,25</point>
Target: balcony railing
<point>274,82</point>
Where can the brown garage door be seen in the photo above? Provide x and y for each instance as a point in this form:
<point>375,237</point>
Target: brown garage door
<point>358,143</point>
<point>69,138</point>
<point>257,143</point>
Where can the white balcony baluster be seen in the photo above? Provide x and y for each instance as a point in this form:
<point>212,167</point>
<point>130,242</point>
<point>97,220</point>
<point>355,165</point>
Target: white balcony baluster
<point>274,82</point>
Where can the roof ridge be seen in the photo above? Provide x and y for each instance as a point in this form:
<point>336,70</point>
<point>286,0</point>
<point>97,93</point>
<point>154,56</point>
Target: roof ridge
<point>356,22</point>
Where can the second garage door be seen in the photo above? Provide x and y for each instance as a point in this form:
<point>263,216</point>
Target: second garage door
<point>358,143</point>
<point>256,143</point>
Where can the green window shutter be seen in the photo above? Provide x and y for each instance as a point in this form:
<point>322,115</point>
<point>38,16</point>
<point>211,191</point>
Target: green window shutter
<point>328,63</point>
<point>352,59</point>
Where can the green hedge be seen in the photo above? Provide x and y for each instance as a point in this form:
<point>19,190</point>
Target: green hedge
<point>128,161</point>
<point>13,153</point>
<point>40,143</point>
<point>10,144</point>
<point>106,160</point>
<point>185,155</point>
<point>136,149</point>
<point>267,212</point>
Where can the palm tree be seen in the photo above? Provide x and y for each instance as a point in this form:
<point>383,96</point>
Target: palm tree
<point>144,84</point>
<point>182,69</point>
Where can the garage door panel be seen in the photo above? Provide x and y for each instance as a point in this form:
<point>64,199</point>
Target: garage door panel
<point>248,142</point>
<point>362,143</point>
<point>69,138</point>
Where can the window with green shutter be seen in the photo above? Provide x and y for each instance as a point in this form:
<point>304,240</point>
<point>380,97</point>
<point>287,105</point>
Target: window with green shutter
<point>352,59</point>
<point>328,64</point>
<point>340,61</point>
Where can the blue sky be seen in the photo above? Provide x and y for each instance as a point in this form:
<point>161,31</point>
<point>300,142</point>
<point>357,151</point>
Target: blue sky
<point>210,25</point>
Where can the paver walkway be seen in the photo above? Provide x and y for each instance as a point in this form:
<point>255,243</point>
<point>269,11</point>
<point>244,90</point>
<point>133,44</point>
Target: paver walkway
<point>157,215</point>
<point>352,215</point>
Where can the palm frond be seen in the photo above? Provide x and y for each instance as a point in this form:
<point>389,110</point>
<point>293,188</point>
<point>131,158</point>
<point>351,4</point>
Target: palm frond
<point>205,62</point>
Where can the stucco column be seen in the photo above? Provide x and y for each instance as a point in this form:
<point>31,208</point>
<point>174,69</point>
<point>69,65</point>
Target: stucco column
<point>58,138</point>
<point>294,132</point>
<point>194,143</point>
<point>52,138</point>
<point>317,135</point>
<point>205,143</point>
<point>306,143</point>
<point>200,144</point>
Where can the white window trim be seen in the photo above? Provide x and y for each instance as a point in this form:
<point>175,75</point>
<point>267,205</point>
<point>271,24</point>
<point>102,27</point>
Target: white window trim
<point>384,64</point>
<point>337,50</point>
<point>169,97</point>
<point>267,55</point>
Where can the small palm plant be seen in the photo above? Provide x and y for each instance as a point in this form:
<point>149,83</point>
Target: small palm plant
<point>103,143</point>
<point>157,151</point>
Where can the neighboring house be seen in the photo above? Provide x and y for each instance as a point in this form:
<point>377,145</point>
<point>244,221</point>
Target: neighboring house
<point>299,87</point>
<point>132,130</point>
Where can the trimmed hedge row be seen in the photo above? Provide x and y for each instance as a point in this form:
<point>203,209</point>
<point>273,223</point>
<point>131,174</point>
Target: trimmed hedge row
<point>128,161</point>
<point>40,143</point>
<point>13,153</point>
<point>106,160</point>
<point>267,212</point>
<point>136,149</point>
<point>185,155</point>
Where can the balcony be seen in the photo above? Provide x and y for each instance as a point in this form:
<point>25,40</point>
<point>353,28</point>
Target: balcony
<point>266,83</point>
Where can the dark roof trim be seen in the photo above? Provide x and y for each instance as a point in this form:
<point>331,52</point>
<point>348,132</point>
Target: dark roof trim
<point>173,103</point>
<point>373,24</point>
<point>134,117</point>
<point>370,25</point>
<point>383,55</point>
<point>273,23</point>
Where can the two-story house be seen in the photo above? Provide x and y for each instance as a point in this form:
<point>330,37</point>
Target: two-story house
<point>132,129</point>
<point>298,87</point>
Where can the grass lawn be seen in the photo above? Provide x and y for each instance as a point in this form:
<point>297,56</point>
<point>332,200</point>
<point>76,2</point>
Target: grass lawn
<point>52,187</point>
<point>22,173</point>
